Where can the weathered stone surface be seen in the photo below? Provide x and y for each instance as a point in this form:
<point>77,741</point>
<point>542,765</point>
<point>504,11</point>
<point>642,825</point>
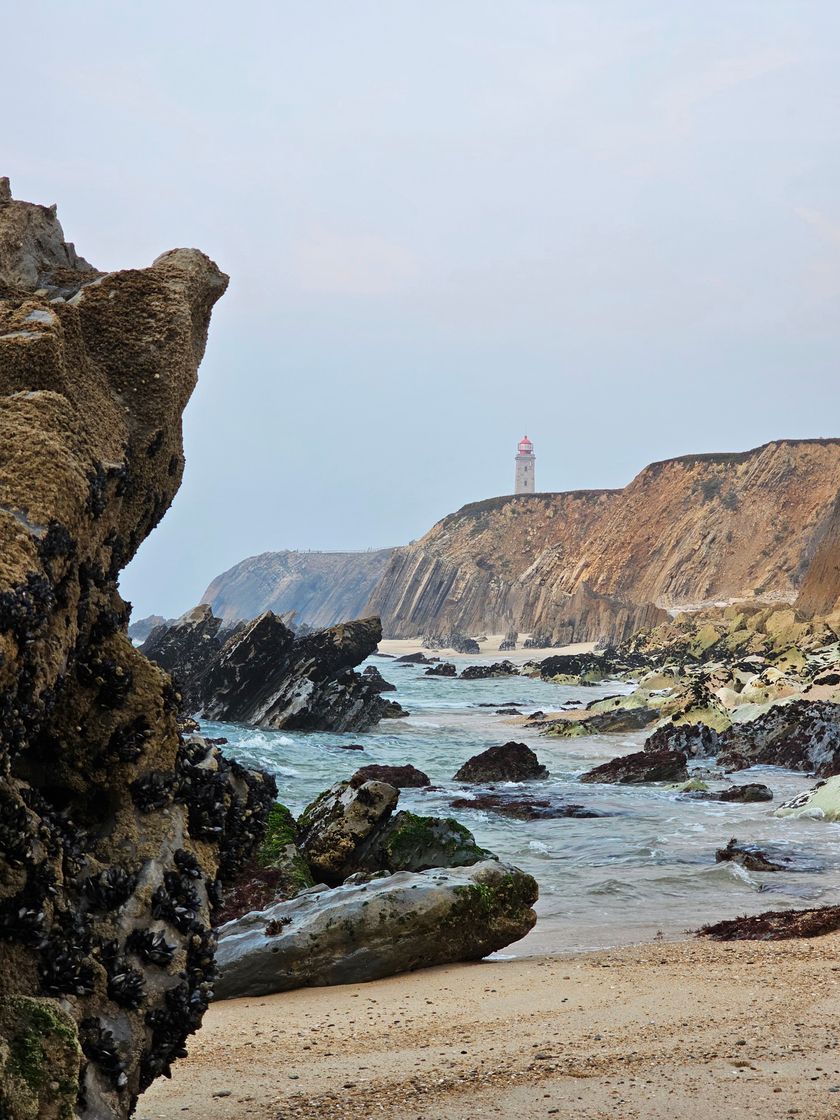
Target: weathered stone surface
<point>402,777</point>
<point>113,829</point>
<point>511,762</point>
<point>804,735</point>
<point>750,856</point>
<point>335,826</point>
<point>603,723</point>
<point>445,669</point>
<point>140,630</point>
<point>695,739</point>
<point>821,803</point>
<point>374,929</point>
<point>409,842</point>
<point>266,676</point>
<point>641,766</point>
<point>375,679</point>
<point>746,794</point>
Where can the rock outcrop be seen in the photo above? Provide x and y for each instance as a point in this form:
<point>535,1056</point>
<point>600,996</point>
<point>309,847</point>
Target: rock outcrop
<point>592,564</point>
<point>401,777</point>
<point>364,931</point>
<point>511,762</point>
<point>640,767</point>
<point>819,595</point>
<point>320,589</point>
<point>800,736</point>
<point>265,676</point>
<point>114,830</point>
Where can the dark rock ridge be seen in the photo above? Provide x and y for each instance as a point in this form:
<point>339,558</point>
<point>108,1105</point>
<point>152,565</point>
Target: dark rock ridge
<point>641,766</point>
<point>511,762</point>
<point>320,589</point>
<point>114,830</point>
<point>485,672</point>
<point>140,630</point>
<point>402,777</point>
<point>524,808</point>
<point>445,669</point>
<point>264,675</point>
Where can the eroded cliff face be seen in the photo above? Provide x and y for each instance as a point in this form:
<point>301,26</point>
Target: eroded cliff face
<point>113,829</point>
<point>819,596</point>
<point>319,588</point>
<point>592,565</point>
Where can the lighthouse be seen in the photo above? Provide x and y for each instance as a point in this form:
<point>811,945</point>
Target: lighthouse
<point>525,482</point>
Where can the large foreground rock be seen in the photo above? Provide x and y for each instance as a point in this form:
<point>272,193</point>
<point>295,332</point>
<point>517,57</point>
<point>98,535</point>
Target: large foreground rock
<point>265,676</point>
<point>114,831</point>
<point>640,767</point>
<point>364,931</point>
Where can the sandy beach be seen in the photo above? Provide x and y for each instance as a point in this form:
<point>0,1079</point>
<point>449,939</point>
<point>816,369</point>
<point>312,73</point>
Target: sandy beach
<point>399,647</point>
<point>678,1031</point>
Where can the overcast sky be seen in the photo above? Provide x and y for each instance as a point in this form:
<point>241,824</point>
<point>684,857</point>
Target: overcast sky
<point>613,225</point>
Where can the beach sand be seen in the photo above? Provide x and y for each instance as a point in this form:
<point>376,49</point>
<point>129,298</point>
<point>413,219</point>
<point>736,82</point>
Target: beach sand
<point>398,647</point>
<point>685,1030</point>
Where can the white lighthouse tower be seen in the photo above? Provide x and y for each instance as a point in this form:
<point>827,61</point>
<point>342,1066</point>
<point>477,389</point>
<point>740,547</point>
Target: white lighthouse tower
<point>525,482</point>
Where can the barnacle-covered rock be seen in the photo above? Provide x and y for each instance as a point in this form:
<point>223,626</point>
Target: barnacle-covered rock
<point>114,829</point>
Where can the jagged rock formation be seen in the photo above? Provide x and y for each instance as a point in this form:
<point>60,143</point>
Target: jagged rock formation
<point>366,930</point>
<point>593,564</point>
<point>640,767</point>
<point>113,830</point>
<point>263,675</point>
<point>804,735</point>
<point>320,588</point>
<point>140,630</point>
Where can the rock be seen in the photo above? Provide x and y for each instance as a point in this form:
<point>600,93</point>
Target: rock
<point>524,808</point>
<point>115,830</point>
<point>803,735</point>
<point>409,842</point>
<point>749,856</point>
<point>334,827</point>
<point>140,630</point>
<point>616,721</point>
<point>821,803</point>
<point>370,930</point>
<point>694,739</point>
<point>484,672</point>
<point>266,676</point>
<point>511,762</point>
<point>445,669</point>
<point>346,746</point>
<point>641,766</point>
<point>413,659</point>
<point>462,644</point>
<point>375,679</point>
<point>573,668</point>
<point>747,793</point>
<point>401,777</point>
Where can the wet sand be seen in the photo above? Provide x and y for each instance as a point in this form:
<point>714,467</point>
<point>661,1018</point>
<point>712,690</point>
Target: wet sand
<point>680,1031</point>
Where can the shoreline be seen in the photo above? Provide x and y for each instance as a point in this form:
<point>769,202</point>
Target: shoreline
<point>489,648</point>
<point>659,1031</point>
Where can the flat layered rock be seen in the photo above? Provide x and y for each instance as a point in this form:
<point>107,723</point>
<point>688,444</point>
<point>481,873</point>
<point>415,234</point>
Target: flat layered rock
<point>365,931</point>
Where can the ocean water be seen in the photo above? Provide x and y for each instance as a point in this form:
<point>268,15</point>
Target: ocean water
<point>646,869</point>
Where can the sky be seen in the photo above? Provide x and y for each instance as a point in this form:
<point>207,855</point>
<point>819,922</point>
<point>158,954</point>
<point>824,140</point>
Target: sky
<point>613,225</point>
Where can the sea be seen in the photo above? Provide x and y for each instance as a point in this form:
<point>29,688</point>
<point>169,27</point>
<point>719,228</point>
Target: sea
<point>644,870</point>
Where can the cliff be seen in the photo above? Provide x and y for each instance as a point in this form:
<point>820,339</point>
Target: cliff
<point>819,596</point>
<point>114,830</point>
<point>593,564</point>
<point>321,588</point>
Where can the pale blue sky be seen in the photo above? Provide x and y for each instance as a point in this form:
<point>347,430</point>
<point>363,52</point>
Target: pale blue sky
<point>615,225</point>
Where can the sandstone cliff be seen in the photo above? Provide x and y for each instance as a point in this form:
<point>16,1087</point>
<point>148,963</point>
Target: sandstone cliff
<point>113,829</point>
<point>819,596</point>
<point>587,565</point>
<point>320,588</point>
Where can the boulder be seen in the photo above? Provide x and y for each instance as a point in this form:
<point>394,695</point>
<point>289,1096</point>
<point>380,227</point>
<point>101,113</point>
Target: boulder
<point>366,931</point>
<point>746,794</point>
<point>115,829</point>
<point>820,803</point>
<point>803,735</point>
<point>639,767</point>
<point>444,669</point>
<point>401,777</point>
<point>511,762</point>
<point>485,672</point>
<point>409,842</point>
<point>694,739</point>
<point>334,827</point>
<point>462,644</point>
<point>375,679</point>
<point>414,659</point>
